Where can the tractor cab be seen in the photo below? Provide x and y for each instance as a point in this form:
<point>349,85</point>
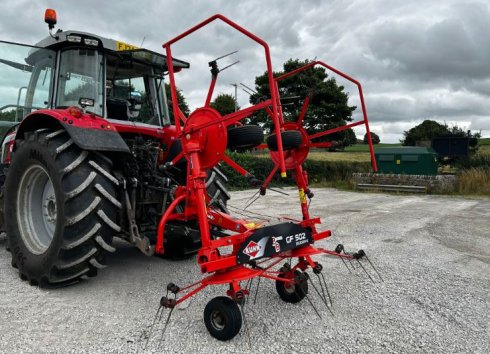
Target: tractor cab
<point>108,78</point>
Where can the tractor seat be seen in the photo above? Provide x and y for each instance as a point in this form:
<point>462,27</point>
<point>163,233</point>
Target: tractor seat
<point>117,108</point>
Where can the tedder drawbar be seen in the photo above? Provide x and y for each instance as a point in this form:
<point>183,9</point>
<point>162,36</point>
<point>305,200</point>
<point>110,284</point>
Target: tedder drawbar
<point>256,248</point>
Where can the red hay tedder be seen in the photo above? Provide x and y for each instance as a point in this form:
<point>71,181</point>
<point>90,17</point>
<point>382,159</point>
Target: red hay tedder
<point>101,159</point>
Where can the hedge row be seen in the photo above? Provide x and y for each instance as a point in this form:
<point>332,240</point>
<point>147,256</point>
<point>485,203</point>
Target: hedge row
<point>318,171</point>
<point>480,160</point>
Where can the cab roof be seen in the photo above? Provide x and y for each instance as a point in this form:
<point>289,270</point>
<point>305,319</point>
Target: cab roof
<point>115,47</point>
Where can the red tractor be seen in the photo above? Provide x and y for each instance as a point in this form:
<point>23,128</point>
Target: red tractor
<point>83,153</point>
<point>89,153</point>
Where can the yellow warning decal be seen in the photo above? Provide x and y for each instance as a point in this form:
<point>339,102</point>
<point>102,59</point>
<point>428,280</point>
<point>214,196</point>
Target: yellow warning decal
<point>302,196</point>
<point>125,46</point>
<point>251,226</point>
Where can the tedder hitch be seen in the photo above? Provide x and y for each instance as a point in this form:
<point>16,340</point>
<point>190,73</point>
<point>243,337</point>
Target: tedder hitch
<point>281,251</point>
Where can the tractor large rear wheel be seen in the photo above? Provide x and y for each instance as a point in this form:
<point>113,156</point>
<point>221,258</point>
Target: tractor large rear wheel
<point>216,182</point>
<point>60,210</point>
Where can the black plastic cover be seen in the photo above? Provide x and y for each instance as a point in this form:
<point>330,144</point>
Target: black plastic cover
<point>270,240</point>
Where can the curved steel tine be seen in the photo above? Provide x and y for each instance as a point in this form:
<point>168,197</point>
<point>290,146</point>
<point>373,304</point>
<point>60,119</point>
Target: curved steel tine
<point>365,271</point>
<point>165,326</point>
<point>257,290</point>
<point>324,300</point>
<point>159,310</point>
<point>372,265</point>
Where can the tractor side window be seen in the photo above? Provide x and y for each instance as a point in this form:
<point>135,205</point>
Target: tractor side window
<point>81,76</point>
<point>136,94</point>
<point>26,76</point>
<point>41,87</point>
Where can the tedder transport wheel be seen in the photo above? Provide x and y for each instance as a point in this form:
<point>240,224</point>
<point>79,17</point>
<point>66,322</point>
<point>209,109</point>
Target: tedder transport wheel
<point>291,139</point>
<point>292,293</point>
<point>60,210</point>
<point>244,137</point>
<point>222,318</point>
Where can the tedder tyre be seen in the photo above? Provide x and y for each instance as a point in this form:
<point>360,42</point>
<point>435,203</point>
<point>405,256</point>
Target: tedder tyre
<point>60,209</point>
<point>292,293</point>
<point>245,137</point>
<point>222,318</point>
<point>291,139</point>
<point>216,188</point>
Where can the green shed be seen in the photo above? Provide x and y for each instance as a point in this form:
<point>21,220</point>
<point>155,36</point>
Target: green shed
<point>408,160</point>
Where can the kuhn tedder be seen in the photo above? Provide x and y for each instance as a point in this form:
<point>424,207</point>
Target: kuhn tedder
<point>255,248</point>
<point>99,158</point>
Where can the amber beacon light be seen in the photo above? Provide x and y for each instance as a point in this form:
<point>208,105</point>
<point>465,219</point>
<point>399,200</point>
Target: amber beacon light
<point>50,17</point>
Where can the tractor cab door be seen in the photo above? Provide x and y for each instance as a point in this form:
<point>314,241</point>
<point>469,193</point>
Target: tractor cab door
<point>26,82</point>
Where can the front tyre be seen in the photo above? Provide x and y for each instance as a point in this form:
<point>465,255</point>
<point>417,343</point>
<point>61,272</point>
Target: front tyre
<point>60,209</point>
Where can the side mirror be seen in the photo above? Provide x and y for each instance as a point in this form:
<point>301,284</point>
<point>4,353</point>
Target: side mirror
<point>86,102</point>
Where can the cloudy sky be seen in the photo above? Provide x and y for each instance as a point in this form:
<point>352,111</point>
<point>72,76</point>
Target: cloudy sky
<point>416,59</point>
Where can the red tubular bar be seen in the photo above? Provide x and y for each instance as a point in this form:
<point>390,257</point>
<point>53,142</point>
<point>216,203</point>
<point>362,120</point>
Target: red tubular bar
<point>272,85</point>
<point>210,91</point>
<point>235,166</point>
<point>325,144</point>
<point>234,117</point>
<point>163,221</point>
<point>302,114</point>
<point>361,96</point>
<point>173,90</point>
<point>270,176</point>
<point>335,130</point>
<point>177,158</point>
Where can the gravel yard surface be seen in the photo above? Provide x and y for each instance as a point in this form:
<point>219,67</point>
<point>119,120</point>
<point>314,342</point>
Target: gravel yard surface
<point>432,251</point>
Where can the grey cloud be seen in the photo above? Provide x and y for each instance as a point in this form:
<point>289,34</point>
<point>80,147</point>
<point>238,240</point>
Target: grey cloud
<point>415,60</point>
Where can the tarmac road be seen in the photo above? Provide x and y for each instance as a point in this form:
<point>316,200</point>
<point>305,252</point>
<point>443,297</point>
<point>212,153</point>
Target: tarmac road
<point>433,253</point>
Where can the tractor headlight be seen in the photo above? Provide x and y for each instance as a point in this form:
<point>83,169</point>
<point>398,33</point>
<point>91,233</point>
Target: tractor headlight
<point>92,42</point>
<point>74,39</point>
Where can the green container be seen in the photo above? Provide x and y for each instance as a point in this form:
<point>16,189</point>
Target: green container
<point>407,160</point>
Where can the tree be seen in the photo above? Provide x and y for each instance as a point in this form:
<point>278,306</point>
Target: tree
<point>224,104</point>
<point>182,102</point>
<point>427,130</point>
<point>8,116</point>
<point>328,103</point>
<point>374,138</point>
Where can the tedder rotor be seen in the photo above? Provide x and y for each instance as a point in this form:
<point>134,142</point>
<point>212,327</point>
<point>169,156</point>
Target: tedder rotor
<point>247,250</point>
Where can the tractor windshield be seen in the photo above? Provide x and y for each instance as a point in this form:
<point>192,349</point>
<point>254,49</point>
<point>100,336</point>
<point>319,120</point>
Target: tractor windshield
<point>81,75</point>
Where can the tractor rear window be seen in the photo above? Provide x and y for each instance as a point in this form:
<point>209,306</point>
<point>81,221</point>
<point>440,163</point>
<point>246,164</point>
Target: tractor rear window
<point>81,76</point>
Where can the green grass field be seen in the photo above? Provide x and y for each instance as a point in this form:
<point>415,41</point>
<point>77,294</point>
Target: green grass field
<point>485,141</point>
<point>360,152</point>
<point>484,146</point>
<point>365,147</point>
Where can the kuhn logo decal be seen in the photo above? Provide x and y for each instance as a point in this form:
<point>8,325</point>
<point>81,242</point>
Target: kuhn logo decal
<point>252,249</point>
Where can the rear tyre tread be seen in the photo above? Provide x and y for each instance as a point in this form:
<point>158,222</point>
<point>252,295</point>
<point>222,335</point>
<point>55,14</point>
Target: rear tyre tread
<point>291,139</point>
<point>90,207</point>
